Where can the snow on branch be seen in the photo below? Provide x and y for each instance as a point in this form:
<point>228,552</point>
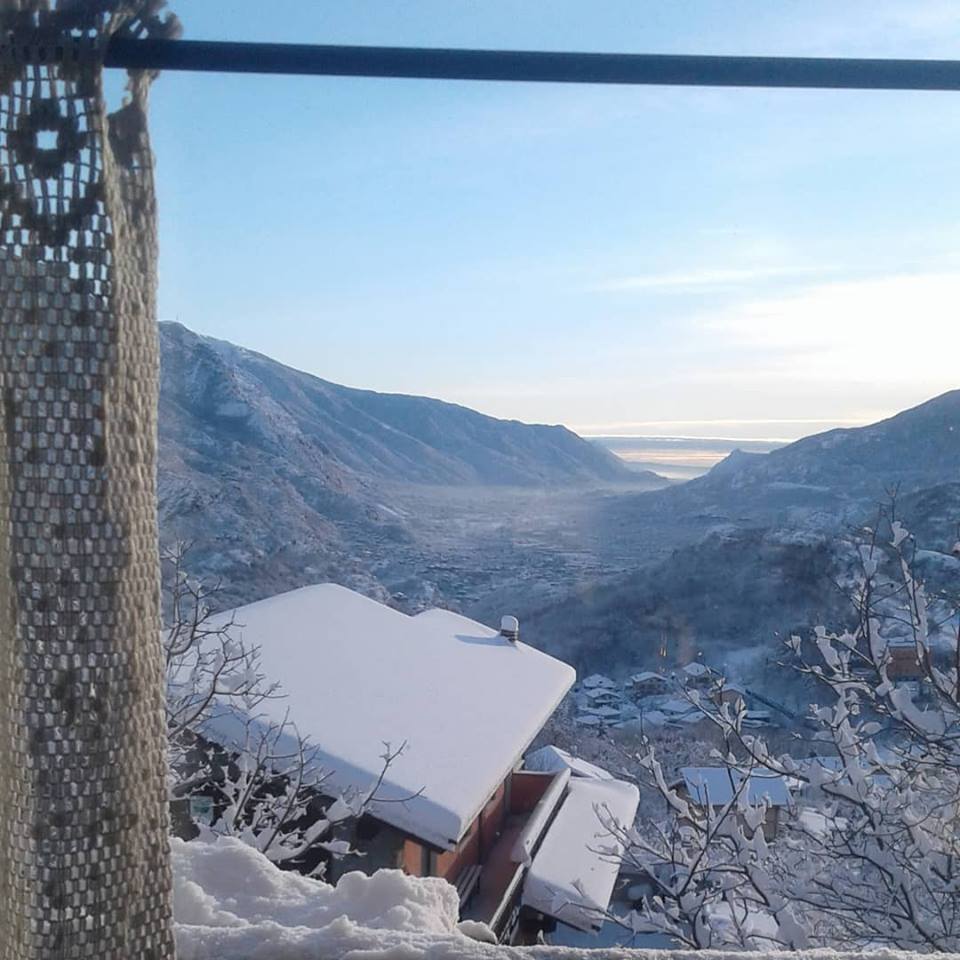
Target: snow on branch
<point>867,851</point>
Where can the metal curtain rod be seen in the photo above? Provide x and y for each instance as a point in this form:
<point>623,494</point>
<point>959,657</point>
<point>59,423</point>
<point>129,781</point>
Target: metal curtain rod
<point>523,66</point>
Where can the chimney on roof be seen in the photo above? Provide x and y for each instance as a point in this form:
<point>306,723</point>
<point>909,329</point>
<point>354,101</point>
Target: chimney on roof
<point>510,628</point>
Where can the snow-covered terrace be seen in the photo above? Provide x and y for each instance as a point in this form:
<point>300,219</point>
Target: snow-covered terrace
<point>466,701</point>
<point>573,880</point>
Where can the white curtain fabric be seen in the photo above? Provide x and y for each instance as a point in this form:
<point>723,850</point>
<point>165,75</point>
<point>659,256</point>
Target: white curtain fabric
<point>84,869</point>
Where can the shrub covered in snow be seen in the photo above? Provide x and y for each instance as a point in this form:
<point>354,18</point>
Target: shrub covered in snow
<point>260,779</point>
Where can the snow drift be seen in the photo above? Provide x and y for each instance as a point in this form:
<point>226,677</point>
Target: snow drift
<point>231,903</point>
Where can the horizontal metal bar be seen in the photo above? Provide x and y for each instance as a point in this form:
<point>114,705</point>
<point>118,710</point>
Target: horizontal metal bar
<point>538,67</point>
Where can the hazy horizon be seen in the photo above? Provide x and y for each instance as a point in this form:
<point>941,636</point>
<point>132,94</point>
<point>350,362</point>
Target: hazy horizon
<point>680,458</point>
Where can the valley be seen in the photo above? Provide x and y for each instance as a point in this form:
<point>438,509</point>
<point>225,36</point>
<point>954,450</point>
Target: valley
<point>279,479</point>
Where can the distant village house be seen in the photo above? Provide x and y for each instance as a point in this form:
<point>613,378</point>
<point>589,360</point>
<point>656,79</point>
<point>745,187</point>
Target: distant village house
<point>716,787</point>
<point>647,684</point>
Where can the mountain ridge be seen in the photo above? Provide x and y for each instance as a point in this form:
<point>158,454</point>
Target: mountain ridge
<point>282,479</point>
<point>391,437</point>
<point>769,537</point>
<point>916,447</point>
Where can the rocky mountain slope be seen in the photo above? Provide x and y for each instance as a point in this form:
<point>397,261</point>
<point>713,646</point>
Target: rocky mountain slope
<point>218,394</point>
<point>766,538</point>
<point>917,448</point>
<point>280,478</point>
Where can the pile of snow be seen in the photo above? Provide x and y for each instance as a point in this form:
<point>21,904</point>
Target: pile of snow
<point>231,903</point>
<point>226,883</point>
<point>552,759</point>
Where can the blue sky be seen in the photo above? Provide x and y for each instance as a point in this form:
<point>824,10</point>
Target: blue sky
<point>731,263</point>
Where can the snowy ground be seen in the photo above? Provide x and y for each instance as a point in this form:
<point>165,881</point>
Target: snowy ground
<point>231,903</point>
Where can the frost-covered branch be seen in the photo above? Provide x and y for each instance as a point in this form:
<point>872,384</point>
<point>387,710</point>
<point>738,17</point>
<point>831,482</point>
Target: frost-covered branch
<point>263,782</point>
<point>208,668</point>
<point>868,852</point>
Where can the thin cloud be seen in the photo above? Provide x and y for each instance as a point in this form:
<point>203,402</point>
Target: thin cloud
<point>707,429</point>
<point>897,328</point>
<point>701,279</point>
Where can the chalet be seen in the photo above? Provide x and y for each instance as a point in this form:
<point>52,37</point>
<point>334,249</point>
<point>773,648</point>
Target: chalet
<point>600,697</point>
<point>651,718</point>
<point>590,720</point>
<point>698,676</point>
<point>605,714</point>
<point>903,663</point>
<point>757,718</point>
<point>676,708</point>
<point>731,693</point>
<point>717,786</point>
<point>647,684</point>
<point>598,681</point>
<point>467,701</point>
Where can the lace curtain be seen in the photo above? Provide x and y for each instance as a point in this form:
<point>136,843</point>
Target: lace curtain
<point>84,869</point>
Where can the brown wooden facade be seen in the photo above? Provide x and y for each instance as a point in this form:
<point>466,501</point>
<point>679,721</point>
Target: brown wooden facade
<point>480,866</point>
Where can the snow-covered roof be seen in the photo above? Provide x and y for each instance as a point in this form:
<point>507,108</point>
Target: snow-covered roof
<point>588,720</point>
<point>356,673</point>
<point>552,760</point>
<point>677,707</point>
<point>601,693</point>
<point>694,716</point>
<point>901,641</point>
<point>575,870</point>
<point>717,785</point>
<point>599,680</point>
<point>648,676</point>
<point>605,713</point>
<point>696,670</point>
<point>540,818</point>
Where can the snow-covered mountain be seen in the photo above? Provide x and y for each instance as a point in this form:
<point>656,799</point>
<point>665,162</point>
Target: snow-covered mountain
<point>760,541</point>
<point>219,397</point>
<point>280,478</point>
<point>917,448</point>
